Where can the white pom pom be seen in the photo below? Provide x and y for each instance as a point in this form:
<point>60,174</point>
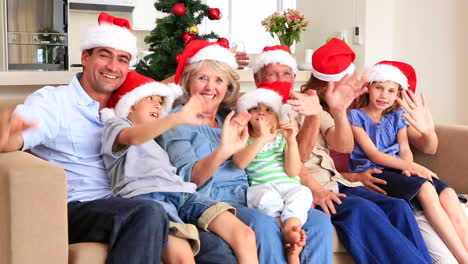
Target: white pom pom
<point>106,114</point>
<point>176,90</point>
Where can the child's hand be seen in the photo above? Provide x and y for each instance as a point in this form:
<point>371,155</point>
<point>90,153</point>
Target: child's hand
<point>266,131</point>
<point>289,129</point>
<point>419,170</point>
<point>191,113</point>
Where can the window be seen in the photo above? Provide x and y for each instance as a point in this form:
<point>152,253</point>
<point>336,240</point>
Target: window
<point>241,22</point>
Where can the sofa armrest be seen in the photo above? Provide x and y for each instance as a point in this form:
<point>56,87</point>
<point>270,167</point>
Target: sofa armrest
<point>451,161</point>
<point>33,210</point>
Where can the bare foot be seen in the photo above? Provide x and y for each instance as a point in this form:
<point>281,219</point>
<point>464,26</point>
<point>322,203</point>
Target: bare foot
<point>295,239</point>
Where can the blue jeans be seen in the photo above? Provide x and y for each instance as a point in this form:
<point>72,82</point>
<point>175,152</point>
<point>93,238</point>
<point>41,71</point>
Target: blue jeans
<point>375,228</point>
<point>134,230</point>
<point>181,207</point>
<point>270,246</point>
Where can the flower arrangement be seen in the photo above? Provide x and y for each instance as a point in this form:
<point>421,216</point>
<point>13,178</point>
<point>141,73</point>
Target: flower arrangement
<point>287,26</point>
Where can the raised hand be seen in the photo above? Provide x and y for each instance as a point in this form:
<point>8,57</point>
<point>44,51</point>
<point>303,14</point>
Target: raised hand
<point>242,58</point>
<point>306,104</point>
<point>235,132</point>
<point>191,113</point>
<point>289,129</point>
<point>11,125</point>
<point>266,132</point>
<point>341,94</point>
<point>417,114</point>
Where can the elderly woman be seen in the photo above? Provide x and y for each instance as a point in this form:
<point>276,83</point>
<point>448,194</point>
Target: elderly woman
<point>202,155</point>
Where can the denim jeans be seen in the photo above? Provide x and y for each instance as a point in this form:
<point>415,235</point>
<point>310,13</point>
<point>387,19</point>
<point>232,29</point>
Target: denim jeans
<point>375,228</point>
<point>134,230</point>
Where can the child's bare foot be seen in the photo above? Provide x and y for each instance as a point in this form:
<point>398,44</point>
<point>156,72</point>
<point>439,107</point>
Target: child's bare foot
<point>295,239</point>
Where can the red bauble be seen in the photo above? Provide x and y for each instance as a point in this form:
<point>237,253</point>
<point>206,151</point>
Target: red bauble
<point>224,42</point>
<point>214,14</point>
<point>187,37</point>
<point>178,9</point>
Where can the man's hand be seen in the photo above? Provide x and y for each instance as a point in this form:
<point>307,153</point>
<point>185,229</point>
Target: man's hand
<point>369,180</point>
<point>417,114</point>
<point>242,58</point>
<point>340,95</point>
<point>306,104</point>
<point>11,126</point>
<point>325,198</point>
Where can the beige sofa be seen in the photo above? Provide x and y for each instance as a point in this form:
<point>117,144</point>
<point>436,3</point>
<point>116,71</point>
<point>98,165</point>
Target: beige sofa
<point>33,212</point>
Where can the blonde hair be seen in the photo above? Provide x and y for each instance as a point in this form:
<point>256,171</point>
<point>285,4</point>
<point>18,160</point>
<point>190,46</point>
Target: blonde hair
<point>364,100</point>
<point>233,86</point>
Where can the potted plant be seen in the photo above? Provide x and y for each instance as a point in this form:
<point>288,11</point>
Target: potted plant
<point>286,26</point>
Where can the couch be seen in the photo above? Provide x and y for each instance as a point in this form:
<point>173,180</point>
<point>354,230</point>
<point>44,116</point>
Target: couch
<point>33,212</point>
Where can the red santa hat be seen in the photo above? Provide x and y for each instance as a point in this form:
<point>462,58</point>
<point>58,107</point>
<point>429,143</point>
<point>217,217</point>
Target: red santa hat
<point>133,89</point>
<point>200,50</point>
<point>273,94</point>
<point>279,54</point>
<point>113,32</point>
<point>395,71</point>
<point>333,61</point>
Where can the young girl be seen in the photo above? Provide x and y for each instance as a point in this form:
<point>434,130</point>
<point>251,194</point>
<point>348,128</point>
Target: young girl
<point>381,138</point>
<point>271,160</point>
<point>139,168</point>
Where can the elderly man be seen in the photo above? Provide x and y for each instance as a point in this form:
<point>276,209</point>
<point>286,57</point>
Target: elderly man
<point>62,125</point>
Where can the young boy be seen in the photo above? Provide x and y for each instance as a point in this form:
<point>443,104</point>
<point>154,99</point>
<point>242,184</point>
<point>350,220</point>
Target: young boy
<point>139,168</point>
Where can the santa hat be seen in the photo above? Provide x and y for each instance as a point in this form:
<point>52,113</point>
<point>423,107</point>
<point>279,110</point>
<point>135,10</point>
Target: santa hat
<point>133,89</point>
<point>333,61</point>
<point>275,55</point>
<point>273,94</point>
<point>113,32</point>
<point>200,50</point>
<point>395,71</point>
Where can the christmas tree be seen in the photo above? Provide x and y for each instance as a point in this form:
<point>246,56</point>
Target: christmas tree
<point>172,33</point>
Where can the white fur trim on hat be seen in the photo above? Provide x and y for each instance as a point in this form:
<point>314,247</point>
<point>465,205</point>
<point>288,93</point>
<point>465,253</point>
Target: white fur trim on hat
<point>107,35</point>
<point>216,53</point>
<point>122,108</point>
<point>385,72</point>
<point>274,57</point>
<point>259,96</point>
<point>333,77</point>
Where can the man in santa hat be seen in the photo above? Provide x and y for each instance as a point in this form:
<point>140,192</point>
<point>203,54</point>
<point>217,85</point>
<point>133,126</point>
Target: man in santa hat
<point>62,125</point>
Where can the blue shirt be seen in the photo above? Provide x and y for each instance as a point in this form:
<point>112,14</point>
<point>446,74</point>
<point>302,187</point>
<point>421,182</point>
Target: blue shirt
<point>187,144</point>
<point>383,134</point>
<point>68,134</point>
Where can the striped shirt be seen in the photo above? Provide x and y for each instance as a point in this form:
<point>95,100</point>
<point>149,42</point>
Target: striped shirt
<point>268,165</point>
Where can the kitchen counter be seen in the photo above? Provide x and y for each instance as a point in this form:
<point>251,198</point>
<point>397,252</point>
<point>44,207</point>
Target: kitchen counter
<point>20,83</point>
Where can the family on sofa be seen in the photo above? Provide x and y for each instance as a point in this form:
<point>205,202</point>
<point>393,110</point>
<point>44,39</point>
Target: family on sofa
<point>190,173</point>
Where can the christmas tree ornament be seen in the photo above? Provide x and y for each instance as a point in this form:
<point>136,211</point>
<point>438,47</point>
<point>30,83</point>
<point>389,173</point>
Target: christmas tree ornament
<point>224,42</point>
<point>179,9</point>
<point>214,14</point>
<point>187,37</point>
<point>193,30</point>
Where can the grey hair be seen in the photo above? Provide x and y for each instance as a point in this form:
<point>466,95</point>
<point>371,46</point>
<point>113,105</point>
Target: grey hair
<point>233,86</point>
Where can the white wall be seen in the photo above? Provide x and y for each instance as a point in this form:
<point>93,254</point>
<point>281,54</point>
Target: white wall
<point>2,39</point>
<point>432,36</point>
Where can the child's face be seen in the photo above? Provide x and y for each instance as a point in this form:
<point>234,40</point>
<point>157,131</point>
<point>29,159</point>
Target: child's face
<point>265,114</point>
<point>147,109</point>
<point>382,95</point>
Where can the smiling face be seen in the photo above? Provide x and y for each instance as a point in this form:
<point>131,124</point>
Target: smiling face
<point>104,69</point>
<point>147,109</point>
<point>265,113</point>
<point>382,95</point>
<point>210,85</point>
